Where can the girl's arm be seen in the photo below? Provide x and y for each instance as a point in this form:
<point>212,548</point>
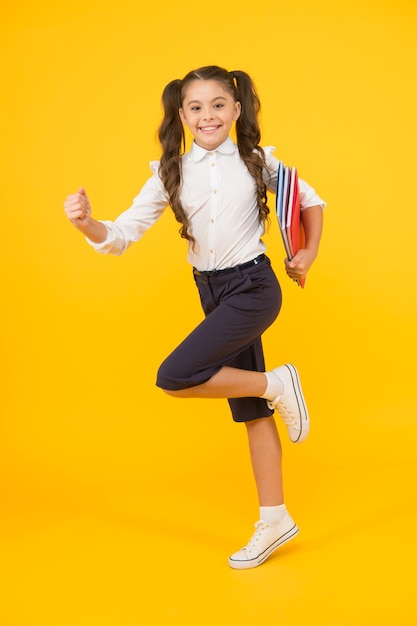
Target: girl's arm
<point>114,237</point>
<point>312,220</point>
<point>78,210</point>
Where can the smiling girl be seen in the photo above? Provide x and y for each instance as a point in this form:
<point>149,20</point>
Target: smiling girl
<point>218,193</point>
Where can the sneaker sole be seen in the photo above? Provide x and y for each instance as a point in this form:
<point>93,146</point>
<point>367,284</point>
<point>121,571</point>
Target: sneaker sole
<point>302,407</point>
<point>287,536</point>
<point>305,420</point>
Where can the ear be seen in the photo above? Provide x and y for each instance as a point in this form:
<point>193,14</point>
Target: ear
<point>238,109</point>
<point>182,116</point>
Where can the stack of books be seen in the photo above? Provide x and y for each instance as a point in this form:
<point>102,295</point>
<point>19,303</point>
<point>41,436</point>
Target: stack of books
<point>288,212</point>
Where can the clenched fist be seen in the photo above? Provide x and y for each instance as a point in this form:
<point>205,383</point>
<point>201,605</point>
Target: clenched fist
<point>77,208</point>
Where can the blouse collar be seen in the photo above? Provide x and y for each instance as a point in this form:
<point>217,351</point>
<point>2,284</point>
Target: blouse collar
<point>227,147</point>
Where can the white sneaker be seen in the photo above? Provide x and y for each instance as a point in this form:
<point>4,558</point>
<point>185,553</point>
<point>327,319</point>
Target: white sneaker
<point>265,540</point>
<point>290,404</point>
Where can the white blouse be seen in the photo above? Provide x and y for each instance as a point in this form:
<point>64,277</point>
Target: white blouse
<point>219,197</point>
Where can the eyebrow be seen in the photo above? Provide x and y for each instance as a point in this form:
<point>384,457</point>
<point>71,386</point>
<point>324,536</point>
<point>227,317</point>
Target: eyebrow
<point>214,99</point>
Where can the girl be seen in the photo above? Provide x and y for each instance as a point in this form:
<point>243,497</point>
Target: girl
<point>218,192</point>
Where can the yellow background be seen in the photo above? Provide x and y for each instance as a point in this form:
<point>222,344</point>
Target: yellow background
<point>120,505</point>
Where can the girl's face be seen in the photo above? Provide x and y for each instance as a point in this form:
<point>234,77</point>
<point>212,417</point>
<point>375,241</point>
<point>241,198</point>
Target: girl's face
<point>208,110</point>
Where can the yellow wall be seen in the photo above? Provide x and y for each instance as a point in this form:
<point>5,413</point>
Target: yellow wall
<point>83,430</point>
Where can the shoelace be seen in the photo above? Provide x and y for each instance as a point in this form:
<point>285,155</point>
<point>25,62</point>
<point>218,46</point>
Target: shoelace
<point>260,527</point>
<point>287,417</point>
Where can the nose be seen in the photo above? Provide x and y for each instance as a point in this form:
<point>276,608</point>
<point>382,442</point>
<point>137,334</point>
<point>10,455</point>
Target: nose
<point>208,115</point>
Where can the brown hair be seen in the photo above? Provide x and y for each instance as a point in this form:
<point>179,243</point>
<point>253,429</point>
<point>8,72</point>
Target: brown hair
<point>172,137</point>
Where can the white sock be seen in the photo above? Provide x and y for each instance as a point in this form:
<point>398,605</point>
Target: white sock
<point>274,386</point>
<point>273,514</point>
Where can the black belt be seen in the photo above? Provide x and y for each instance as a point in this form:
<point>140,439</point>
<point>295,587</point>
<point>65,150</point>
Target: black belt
<point>228,270</point>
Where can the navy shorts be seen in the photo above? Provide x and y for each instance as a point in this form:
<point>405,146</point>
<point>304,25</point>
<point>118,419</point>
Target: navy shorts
<point>239,306</point>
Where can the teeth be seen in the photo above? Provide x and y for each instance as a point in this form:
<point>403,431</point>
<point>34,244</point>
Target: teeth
<point>208,128</point>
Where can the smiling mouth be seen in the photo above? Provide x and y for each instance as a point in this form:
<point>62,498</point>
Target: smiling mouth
<point>209,129</point>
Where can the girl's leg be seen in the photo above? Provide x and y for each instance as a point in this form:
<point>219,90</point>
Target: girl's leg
<point>229,382</point>
<point>280,386</point>
<point>275,526</point>
<point>266,456</point>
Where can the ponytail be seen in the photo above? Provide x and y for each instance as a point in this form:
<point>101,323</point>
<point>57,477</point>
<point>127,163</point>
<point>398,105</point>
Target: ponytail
<point>172,139</point>
<point>248,135</point>
<point>171,131</point>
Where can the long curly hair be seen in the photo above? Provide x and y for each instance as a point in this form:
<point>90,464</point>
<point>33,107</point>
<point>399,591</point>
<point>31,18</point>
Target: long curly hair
<point>172,137</point>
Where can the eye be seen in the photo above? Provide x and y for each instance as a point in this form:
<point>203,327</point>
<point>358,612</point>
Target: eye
<point>195,108</point>
<point>219,105</point>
